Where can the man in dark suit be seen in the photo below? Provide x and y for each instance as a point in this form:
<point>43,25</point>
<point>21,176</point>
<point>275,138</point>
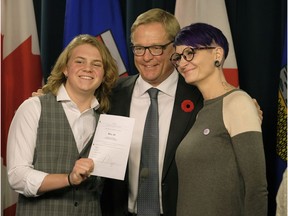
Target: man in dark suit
<point>151,35</point>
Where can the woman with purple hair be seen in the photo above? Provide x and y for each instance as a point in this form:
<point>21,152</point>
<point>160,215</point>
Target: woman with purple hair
<point>221,162</point>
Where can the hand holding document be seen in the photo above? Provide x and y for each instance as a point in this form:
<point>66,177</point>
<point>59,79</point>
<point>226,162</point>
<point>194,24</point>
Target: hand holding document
<point>111,145</point>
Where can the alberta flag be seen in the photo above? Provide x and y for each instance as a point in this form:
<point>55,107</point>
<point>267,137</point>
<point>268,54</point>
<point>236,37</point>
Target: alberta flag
<point>102,19</point>
<point>281,147</point>
<point>214,13</point>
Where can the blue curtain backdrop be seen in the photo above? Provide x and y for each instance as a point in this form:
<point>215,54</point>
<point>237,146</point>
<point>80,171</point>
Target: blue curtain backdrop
<point>257,29</point>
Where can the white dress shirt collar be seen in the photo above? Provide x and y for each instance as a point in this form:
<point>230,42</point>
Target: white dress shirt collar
<point>63,96</point>
<point>166,87</point>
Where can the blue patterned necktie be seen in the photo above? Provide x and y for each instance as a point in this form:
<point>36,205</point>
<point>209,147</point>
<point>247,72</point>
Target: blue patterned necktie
<point>148,203</point>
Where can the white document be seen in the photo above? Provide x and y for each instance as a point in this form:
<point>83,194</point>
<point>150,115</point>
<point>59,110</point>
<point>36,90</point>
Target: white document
<point>111,146</point>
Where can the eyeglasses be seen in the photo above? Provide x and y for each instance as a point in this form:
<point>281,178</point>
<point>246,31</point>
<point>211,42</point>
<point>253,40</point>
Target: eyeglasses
<point>188,54</point>
<point>155,50</point>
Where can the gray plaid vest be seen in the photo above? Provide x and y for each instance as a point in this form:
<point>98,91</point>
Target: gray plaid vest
<point>56,152</point>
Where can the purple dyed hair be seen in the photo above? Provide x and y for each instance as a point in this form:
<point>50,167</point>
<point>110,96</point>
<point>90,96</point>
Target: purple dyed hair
<point>201,34</point>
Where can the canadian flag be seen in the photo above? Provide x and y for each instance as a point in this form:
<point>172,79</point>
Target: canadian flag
<point>20,76</point>
<point>214,13</point>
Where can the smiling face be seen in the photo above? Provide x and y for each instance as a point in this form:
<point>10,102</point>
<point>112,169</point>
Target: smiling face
<point>200,68</point>
<point>84,70</point>
<point>153,69</point>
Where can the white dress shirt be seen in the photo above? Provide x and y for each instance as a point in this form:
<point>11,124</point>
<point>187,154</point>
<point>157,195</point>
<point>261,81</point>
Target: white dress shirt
<point>138,110</point>
<point>22,139</point>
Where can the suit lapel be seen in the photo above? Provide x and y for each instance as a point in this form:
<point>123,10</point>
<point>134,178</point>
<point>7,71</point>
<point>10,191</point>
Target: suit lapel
<point>182,120</point>
<point>122,95</point>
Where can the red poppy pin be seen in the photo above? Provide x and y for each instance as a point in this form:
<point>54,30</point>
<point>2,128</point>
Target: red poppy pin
<point>187,106</point>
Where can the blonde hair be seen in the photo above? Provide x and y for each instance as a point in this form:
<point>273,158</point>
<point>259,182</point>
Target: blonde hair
<point>102,93</point>
<point>168,20</point>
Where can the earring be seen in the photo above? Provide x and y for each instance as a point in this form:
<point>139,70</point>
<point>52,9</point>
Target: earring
<point>217,63</point>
